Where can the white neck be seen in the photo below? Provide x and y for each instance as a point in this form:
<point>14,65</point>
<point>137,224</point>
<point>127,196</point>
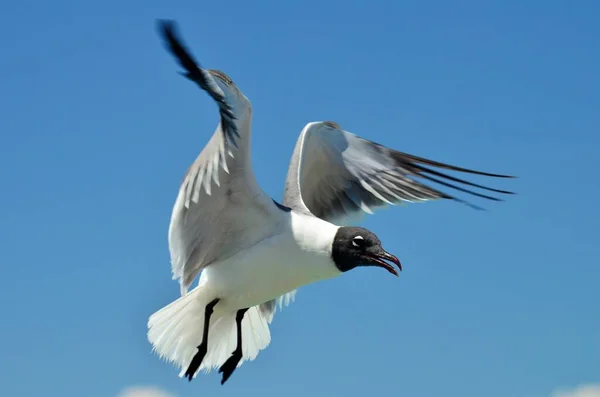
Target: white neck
<point>313,234</point>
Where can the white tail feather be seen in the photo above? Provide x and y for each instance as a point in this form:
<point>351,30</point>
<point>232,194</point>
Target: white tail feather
<point>175,332</point>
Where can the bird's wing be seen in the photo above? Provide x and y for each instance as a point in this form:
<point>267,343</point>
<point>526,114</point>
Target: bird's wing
<point>268,308</point>
<point>336,175</point>
<point>220,209</point>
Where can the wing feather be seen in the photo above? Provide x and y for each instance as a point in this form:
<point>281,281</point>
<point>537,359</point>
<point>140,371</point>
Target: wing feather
<point>337,175</point>
<point>219,195</point>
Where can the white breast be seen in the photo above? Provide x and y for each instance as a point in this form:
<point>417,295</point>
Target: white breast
<point>300,254</point>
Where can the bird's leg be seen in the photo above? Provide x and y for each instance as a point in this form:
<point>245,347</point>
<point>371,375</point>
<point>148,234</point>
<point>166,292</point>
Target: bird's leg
<point>231,364</point>
<point>203,347</point>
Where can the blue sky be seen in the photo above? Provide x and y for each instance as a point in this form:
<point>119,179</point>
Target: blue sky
<point>97,129</point>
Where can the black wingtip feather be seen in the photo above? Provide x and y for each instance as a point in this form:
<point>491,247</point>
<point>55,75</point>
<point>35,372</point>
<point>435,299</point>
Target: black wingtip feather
<point>448,166</point>
<point>168,31</point>
<point>165,25</point>
<point>454,179</point>
<point>468,204</point>
<point>461,189</point>
<point>416,166</point>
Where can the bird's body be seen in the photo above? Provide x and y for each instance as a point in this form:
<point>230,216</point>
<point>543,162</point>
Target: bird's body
<point>248,278</point>
<point>260,273</point>
<point>252,252</point>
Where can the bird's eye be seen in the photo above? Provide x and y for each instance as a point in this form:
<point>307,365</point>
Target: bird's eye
<point>358,241</point>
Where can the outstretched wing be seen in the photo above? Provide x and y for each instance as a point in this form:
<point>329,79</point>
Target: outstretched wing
<point>336,175</point>
<point>220,209</point>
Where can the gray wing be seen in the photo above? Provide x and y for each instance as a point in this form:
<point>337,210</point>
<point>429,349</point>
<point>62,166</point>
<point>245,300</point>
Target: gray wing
<point>220,209</point>
<point>336,175</point>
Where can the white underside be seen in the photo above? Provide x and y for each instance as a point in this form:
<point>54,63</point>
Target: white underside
<point>299,254</point>
<point>273,267</point>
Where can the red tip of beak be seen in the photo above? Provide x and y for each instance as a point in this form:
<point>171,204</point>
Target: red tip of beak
<point>389,257</point>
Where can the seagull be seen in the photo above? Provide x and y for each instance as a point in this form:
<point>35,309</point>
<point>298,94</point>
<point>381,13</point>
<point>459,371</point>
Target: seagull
<point>252,252</point>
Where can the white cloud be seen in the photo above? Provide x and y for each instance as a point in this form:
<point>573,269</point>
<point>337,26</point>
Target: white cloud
<point>589,390</point>
<point>143,391</point>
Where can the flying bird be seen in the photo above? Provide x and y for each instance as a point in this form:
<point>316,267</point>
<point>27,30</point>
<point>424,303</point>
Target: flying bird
<point>253,252</point>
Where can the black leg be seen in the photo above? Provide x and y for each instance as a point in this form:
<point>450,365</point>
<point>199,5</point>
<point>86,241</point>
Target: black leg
<point>231,364</point>
<point>202,348</point>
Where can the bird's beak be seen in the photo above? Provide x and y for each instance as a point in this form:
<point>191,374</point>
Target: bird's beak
<point>379,258</point>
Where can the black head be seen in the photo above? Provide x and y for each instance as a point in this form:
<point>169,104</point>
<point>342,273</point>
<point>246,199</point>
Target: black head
<point>356,246</point>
